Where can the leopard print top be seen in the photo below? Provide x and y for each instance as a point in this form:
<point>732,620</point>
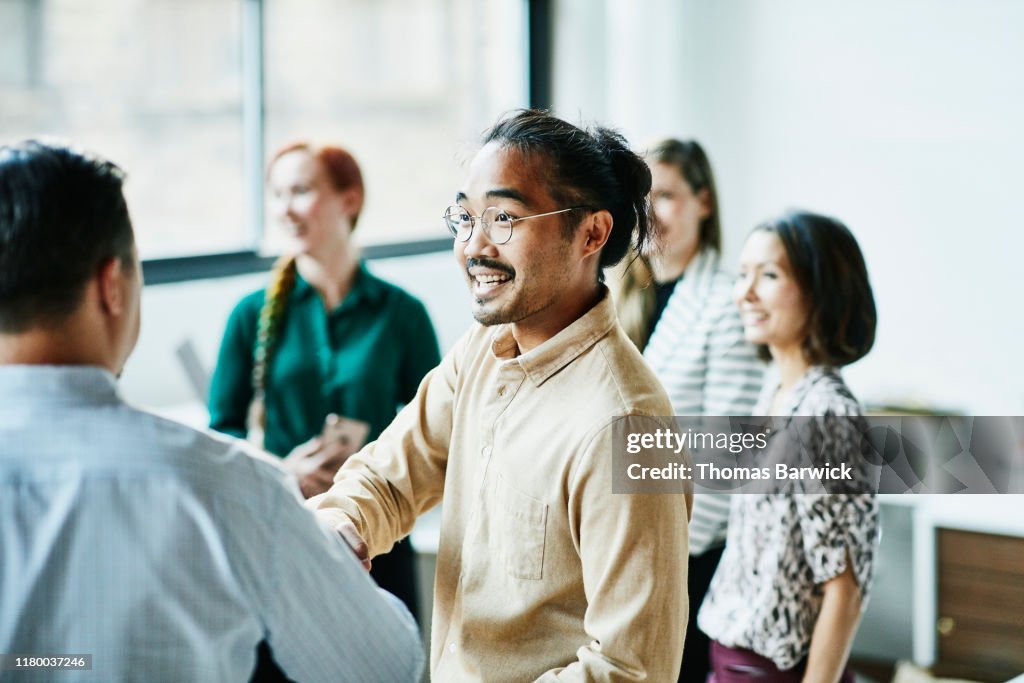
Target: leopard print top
<point>767,592</point>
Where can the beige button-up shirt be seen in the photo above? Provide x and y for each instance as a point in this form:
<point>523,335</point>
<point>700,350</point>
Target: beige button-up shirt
<point>542,572</point>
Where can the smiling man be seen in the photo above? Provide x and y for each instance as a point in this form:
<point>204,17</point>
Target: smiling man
<point>542,573</point>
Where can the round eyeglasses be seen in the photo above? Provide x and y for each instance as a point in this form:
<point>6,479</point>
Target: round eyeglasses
<point>497,224</point>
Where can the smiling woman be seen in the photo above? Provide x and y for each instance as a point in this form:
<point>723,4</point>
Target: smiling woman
<point>787,597</point>
<point>803,281</point>
<point>674,301</point>
<point>320,360</point>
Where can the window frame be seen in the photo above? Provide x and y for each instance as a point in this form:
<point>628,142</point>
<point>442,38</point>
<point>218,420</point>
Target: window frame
<point>169,270</point>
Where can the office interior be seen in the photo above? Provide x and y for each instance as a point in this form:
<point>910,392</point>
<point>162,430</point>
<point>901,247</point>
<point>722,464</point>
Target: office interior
<point>900,117</point>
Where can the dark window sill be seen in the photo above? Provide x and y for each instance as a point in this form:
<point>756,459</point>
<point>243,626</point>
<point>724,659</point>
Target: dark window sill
<point>187,268</point>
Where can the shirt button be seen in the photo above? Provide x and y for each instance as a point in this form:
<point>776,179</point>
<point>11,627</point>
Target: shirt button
<point>451,647</point>
<point>485,451</point>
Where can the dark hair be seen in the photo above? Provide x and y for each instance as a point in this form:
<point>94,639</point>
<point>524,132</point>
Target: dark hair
<point>593,168</point>
<point>340,167</point>
<point>62,214</point>
<point>688,157</point>
<point>829,267</point>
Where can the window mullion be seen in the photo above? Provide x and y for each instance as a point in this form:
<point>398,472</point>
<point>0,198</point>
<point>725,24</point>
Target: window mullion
<point>253,119</point>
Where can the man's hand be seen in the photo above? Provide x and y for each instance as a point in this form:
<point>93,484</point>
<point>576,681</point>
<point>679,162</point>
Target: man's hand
<point>315,463</point>
<point>348,533</point>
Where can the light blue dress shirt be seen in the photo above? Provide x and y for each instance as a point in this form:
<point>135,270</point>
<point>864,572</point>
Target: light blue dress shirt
<point>167,553</point>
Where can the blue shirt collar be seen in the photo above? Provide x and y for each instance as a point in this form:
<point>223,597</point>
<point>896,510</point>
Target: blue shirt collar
<point>21,384</point>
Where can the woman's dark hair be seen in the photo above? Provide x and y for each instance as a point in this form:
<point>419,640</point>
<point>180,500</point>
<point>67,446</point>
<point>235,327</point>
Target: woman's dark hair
<point>593,168</point>
<point>829,267</point>
<point>688,157</point>
<point>62,214</point>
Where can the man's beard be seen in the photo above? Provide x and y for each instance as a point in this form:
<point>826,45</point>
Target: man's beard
<point>493,317</point>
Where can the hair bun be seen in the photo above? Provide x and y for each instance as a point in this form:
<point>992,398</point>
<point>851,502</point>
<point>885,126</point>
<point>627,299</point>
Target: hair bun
<point>630,169</point>
<point>592,167</point>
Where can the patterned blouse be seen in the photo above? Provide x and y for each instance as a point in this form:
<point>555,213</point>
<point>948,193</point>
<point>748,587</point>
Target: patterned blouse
<point>781,548</point>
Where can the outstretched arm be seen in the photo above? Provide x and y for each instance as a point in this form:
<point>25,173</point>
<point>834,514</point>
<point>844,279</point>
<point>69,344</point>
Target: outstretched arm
<point>325,619</point>
<point>382,489</point>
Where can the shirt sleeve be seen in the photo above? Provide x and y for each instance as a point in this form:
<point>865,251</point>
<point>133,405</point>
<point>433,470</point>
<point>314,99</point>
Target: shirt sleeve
<point>633,551</point>
<point>324,617</point>
<point>231,384</point>
<point>832,525</point>
<point>846,519</point>
<point>421,352</point>
<point>383,488</point>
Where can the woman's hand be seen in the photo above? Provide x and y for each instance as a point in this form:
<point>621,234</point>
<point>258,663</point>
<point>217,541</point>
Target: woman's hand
<point>315,463</point>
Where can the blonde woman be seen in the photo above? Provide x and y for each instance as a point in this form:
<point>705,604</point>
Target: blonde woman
<point>676,305</point>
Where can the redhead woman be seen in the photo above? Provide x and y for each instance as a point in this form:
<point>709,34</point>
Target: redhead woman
<point>322,358</point>
<point>786,599</point>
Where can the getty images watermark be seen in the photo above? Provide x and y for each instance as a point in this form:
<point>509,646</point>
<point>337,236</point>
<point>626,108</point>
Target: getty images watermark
<point>835,454</point>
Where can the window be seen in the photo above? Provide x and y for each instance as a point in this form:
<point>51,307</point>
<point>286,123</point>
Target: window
<point>181,92</point>
<point>405,85</point>
<point>156,87</point>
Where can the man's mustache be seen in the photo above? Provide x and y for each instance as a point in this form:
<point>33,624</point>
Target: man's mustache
<point>488,263</point>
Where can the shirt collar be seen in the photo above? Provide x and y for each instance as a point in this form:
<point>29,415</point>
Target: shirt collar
<point>541,363</point>
<point>697,277</point>
<point>804,385</point>
<point>22,384</point>
<point>365,287</point>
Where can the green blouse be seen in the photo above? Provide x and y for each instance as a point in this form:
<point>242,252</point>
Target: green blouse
<point>362,360</point>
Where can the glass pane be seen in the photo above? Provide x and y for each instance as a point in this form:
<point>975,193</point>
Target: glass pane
<point>378,77</point>
<point>154,85</point>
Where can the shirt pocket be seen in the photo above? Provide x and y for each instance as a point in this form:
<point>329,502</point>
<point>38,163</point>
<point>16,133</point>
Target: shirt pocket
<point>522,526</point>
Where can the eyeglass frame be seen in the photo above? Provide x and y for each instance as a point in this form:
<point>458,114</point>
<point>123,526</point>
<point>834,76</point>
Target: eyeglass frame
<point>511,221</point>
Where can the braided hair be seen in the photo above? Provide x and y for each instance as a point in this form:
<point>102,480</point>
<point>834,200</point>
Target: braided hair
<point>342,173</point>
<point>282,282</point>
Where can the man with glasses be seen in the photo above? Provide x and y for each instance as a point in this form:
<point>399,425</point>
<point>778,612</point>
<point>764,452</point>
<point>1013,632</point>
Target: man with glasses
<point>542,573</point>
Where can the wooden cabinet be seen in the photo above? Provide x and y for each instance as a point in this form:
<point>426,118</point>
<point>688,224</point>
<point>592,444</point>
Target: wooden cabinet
<point>980,605</point>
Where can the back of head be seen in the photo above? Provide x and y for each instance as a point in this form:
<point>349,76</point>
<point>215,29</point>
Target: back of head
<point>593,168</point>
<point>829,267</point>
<point>62,214</point>
<point>689,158</point>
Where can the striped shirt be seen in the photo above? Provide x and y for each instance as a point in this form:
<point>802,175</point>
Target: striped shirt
<point>699,354</point>
<point>168,554</point>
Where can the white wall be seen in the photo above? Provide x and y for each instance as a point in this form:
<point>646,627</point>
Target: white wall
<point>903,119</point>
<point>198,311</point>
